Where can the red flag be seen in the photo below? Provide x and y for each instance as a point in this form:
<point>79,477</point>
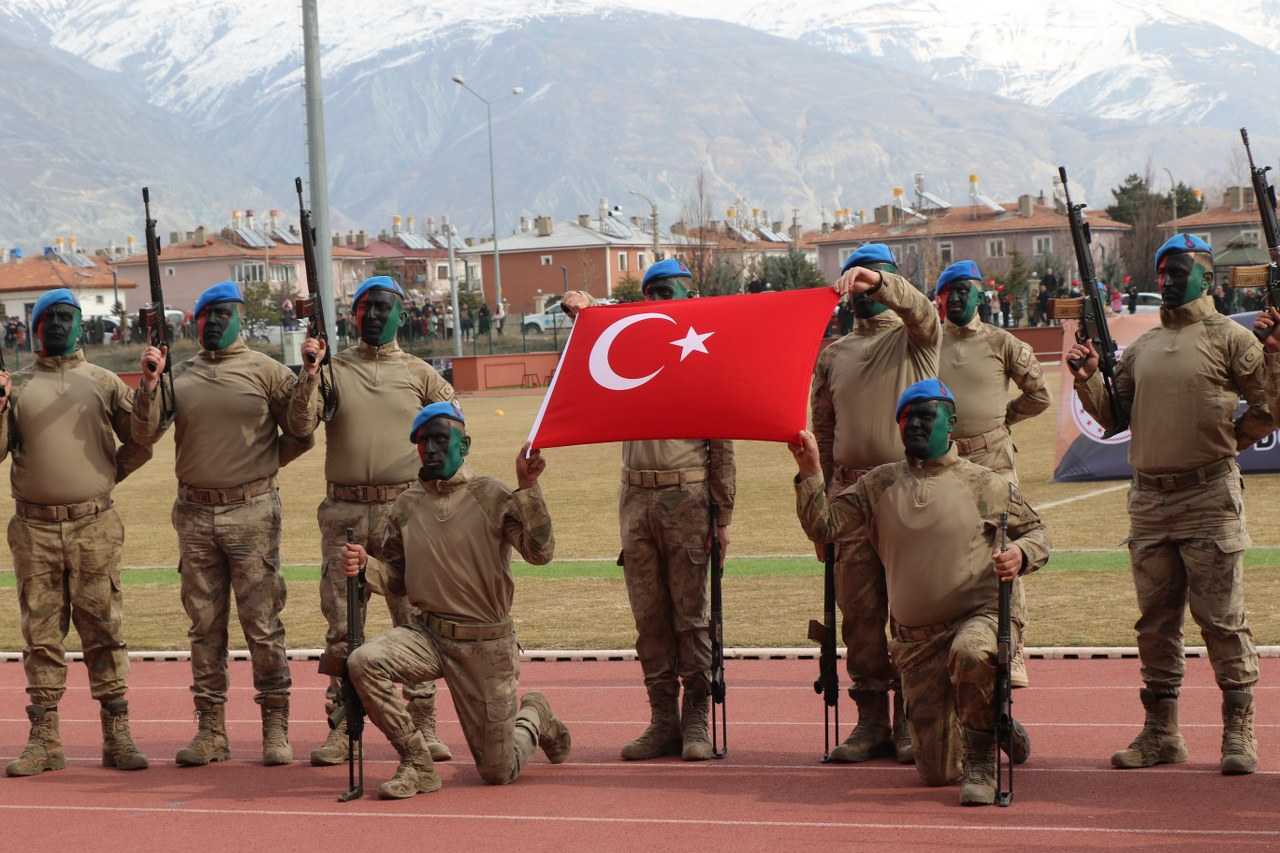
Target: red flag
<point>718,367</point>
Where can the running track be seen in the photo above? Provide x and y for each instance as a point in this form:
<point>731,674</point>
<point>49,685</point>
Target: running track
<point>770,793</point>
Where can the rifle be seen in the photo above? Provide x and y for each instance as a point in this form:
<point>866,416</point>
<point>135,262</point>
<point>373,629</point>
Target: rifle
<point>720,743</point>
<point>350,707</point>
<point>1091,312</point>
<point>311,308</point>
<point>828,684</point>
<point>153,321</point>
<point>1004,681</point>
<point>1266,277</point>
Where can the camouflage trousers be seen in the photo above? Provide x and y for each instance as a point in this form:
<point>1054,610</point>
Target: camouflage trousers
<point>863,599</point>
<point>949,684</point>
<point>69,573</point>
<point>482,677</point>
<point>664,563</point>
<point>368,522</point>
<point>999,457</point>
<point>1174,567</point>
<point>233,548</point>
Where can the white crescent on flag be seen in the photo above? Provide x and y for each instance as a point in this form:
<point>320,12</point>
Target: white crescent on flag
<point>601,371</point>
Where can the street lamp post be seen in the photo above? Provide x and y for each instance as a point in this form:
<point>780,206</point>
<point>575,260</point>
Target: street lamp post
<point>653,218</point>
<point>1173,196</point>
<point>493,194</point>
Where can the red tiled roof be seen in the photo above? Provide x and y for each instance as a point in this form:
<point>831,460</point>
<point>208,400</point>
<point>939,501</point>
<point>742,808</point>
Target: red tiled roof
<point>385,249</point>
<point>1248,215</point>
<point>970,219</point>
<point>218,247</point>
<point>44,273</point>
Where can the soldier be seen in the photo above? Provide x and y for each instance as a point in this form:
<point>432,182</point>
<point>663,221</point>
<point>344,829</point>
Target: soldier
<point>664,514</point>
<point>977,361</point>
<point>62,417</point>
<point>1179,384</point>
<point>448,548</point>
<point>857,379</point>
<point>943,617</point>
<point>367,468</point>
<point>232,406</point>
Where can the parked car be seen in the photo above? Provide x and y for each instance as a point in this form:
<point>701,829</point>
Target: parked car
<point>553,318</point>
<point>1148,303</point>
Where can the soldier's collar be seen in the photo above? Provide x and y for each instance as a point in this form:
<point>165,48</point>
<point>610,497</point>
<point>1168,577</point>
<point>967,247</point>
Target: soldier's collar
<point>968,330</point>
<point>934,466</point>
<point>459,479</point>
<point>232,349</point>
<point>384,351</point>
<point>875,325</point>
<point>1184,315</point>
<point>57,362</point>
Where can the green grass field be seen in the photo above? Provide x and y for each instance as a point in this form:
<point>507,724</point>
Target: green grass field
<point>1084,596</point>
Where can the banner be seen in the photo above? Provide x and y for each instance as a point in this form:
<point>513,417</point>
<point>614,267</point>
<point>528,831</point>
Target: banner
<point>723,367</point>
<point>1083,454</point>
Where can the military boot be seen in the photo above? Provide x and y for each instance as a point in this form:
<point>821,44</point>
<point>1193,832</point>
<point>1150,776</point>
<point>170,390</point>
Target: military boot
<point>1018,669</point>
<point>905,752</point>
<point>663,735</point>
<point>978,788</point>
<point>416,773</point>
<point>1159,742</point>
<point>275,730</point>
<point>210,742</point>
<point>872,736</point>
<point>1239,749</point>
<point>44,745</point>
<point>551,734</point>
<point>118,749</point>
<point>423,712</point>
<point>696,742</point>
<point>334,750</point>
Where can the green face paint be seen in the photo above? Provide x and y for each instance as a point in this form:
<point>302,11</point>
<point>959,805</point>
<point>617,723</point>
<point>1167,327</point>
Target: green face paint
<point>59,330</point>
<point>962,301</point>
<point>926,427</point>
<point>442,445</point>
<point>668,288</point>
<point>394,321</point>
<point>1184,277</point>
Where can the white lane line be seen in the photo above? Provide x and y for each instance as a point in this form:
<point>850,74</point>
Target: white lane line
<point>1052,504</point>
<point>664,821</point>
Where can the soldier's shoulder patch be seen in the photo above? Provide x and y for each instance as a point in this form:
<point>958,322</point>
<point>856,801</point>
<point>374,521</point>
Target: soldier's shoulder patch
<point>1248,360</point>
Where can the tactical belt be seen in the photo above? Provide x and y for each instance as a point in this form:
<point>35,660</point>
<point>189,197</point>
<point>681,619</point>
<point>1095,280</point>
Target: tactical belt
<point>473,631</point>
<point>366,494</point>
<point>230,495</point>
<point>916,634</point>
<point>986,441</point>
<point>1175,482</point>
<point>660,479</point>
<point>62,512</point>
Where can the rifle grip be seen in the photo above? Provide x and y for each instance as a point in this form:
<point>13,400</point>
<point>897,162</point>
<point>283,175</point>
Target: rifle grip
<point>1075,363</point>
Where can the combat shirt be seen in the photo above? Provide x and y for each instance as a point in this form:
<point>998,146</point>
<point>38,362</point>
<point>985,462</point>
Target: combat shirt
<point>677,453</point>
<point>976,362</point>
<point>380,391</point>
<point>448,545</point>
<point>66,415</point>
<point>1180,384</point>
<point>934,524</point>
<point>858,379</point>
<point>232,423</point>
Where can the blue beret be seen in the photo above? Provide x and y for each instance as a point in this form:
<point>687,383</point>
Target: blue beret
<point>446,409</point>
<point>378,282</point>
<point>52,297</point>
<point>1182,243</point>
<point>670,268</point>
<point>926,389</point>
<point>870,253</point>
<point>959,271</point>
<point>223,291</point>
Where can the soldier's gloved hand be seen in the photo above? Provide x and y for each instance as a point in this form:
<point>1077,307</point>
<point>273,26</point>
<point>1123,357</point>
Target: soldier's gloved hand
<point>152,362</point>
<point>1008,562</point>
<point>354,558</point>
<point>529,466</point>
<point>1086,356</point>
<point>1269,319</point>
<point>313,351</point>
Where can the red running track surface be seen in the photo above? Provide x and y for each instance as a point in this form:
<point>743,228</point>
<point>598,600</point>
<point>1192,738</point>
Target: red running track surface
<point>769,793</point>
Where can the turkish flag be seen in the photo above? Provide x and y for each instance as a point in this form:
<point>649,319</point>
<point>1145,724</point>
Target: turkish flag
<point>718,367</point>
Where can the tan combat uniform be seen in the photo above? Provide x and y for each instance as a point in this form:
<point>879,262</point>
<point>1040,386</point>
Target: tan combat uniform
<point>232,405</point>
<point>368,463</point>
<point>65,535</point>
<point>1180,384</point>
<point>448,549</point>
<point>935,525</point>
<point>856,386</point>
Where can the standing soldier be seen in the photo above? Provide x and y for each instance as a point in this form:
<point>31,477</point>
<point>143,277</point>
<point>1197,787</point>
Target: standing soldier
<point>1179,384</point>
<point>62,417</point>
<point>977,361</point>
<point>665,497</point>
<point>856,383</point>
<point>367,465</point>
<point>232,405</point>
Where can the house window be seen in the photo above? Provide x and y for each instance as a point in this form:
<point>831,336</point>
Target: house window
<point>247,272</point>
<point>622,262</point>
<point>946,253</point>
<point>168,270</point>
<point>99,299</point>
<point>442,271</point>
<point>1253,237</point>
<point>995,248</point>
<point>1204,237</point>
<point>642,260</point>
<point>546,260</point>
<point>1044,245</point>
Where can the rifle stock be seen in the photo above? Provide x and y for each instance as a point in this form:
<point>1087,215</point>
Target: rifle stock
<point>311,308</point>
<point>720,735</point>
<point>1265,194</point>
<point>1093,315</point>
<point>1004,682</point>
<point>824,633</point>
<point>153,319</point>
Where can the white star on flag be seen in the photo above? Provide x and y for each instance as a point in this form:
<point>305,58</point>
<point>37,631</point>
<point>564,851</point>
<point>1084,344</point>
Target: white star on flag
<point>692,342</point>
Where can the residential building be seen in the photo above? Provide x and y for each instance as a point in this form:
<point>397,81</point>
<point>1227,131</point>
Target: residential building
<point>24,280</point>
<point>420,260</point>
<point>1235,221</point>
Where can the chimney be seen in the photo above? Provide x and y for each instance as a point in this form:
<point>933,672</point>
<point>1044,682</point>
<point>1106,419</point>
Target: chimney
<point>201,236</point>
<point>4,256</point>
<point>884,214</point>
<point>408,224</point>
<point>524,224</point>
<point>350,238</point>
<point>337,238</point>
<point>470,241</point>
<point>776,226</point>
<point>679,229</point>
<point>826,228</point>
<point>1026,205</point>
<point>190,235</point>
<point>635,220</point>
<point>1040,202</point>
<point>431,224</point>
<point>174,237</point>
<point>382,235</point>
<point>1250,197</point>
<point>362,240</point>
<point>275,219</point>
<point>543,225</point>
<point>1233,198</point>
<point>584,220</point>
<point>248,219</point>
<point>130,245</point>
<point>395,224</point>
<point>71,245</point>
<point>235,219</point>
